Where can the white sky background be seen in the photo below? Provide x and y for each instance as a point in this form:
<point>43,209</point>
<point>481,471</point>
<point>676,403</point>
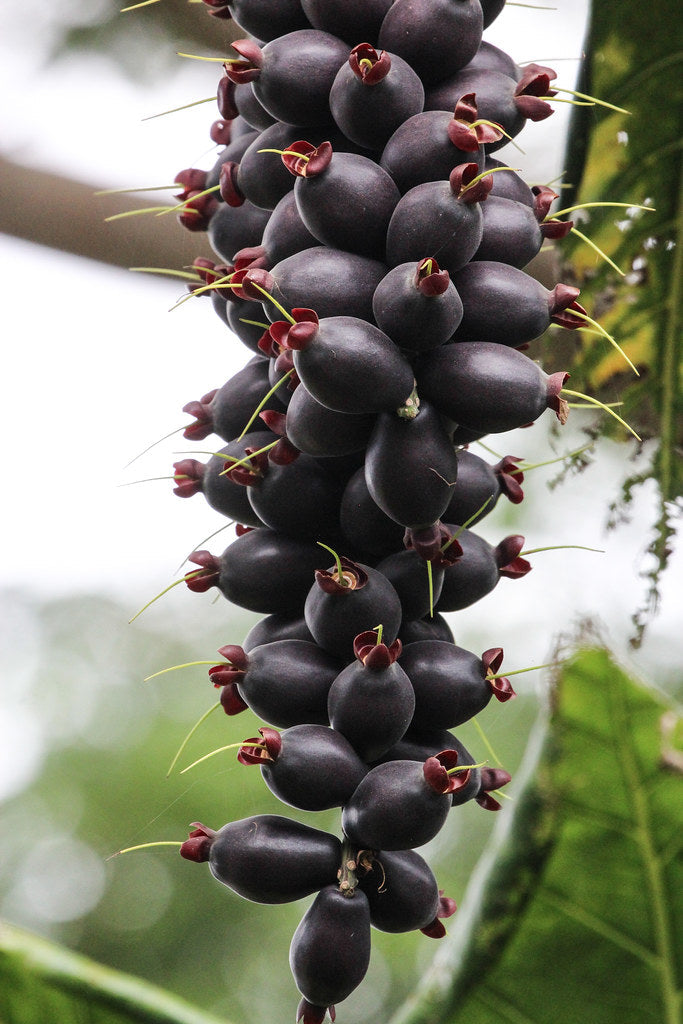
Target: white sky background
<point>95,368</point>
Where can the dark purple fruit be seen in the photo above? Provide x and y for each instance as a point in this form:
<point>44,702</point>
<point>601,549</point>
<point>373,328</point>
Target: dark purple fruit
<point>322,432</point>
<point>309,767</point>
<point>261,570</point>
<point>231,228</point>
<point>373,94</point>
<point>225,411</point>
<point>417,305</point>
<point>347,364</point>
<point>408,574</point>
<point>298,498</point>
<point>451,685</point>
<point>436,37</point>
<point>439,217</point>
<point>285,682</point>
<point>266,858</point>
<point>350,20</point>
<point>276,627</point>
<point>291,75</point>
<point>479,569</point>
<point>371,701</point>
<point>431,627</point>
<point>345,200</point>
<point>364,523</point>
<point>487,387</point>
<point>403,893</point>
<point>402,804</point>
<point>267,19</point>
<point>480,485</point>
<point>339,606</point>
<point>330,950</point>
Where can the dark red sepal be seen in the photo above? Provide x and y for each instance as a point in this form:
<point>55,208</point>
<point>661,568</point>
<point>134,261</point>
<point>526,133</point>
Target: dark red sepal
<point>192,180</point>
<point>188,475</point>
<point>559,405</point>
<point>308,1013</point>
<point>556,229</point>
<point>510,478</point>
<point>235,654</point>
<point>447,907</point>
<point>266,751</point>
<point>210,571</point>
<point>436,768</point>
<point>507,560</point>
<point>253,283</point>
<point>224,675</point>
<point>231,700</point>
<point>374,655</point>
<point>230,191</point>
<point>491,779</point>
<point>328,581</point>
<point>250,68</point>
<point>460,178</point>
<point>317,158</point>
<point>220,131</point>
<point>197,211</point>
<point>252,257</point>
<point>428,542</point>
<point>535,83</point>
<point>240,529</point>
<point>198,846</point>
<point>225,98</point>
<point>460,130</point>
<point>203,424</point>
<point>368,65</point>
<point>430,279</point>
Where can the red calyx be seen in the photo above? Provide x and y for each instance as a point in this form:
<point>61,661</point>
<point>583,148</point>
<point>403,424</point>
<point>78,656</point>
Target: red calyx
<point>197,211</point>
<point>535,83</point>
<point>248,69</point>
<point>198,846</point>
<point>207,577</point>
<point>231,193</point>
<point>430,279</point>
<point>266,750</point>
<point>428,543</point>
<point>507,560</point>
<point>510,478</point>
<point>501,688</point>
<point>192,180</point>
<point>220,131</point>
<point>355,578</point>
<point>368,65</point>
<point>544,197</point>
<point>218,8</point>
<point>491,779</point>
<point>561,302</point>
<point>436,770</point>
<point>188,476</point>
<point>460,130</point>
<point>373,655</point>
<point>559,405</point>
<point>252,257</point>
<point>296,336</point>
<point>460,178</point>
<point>253,283</point>
<point>250,471</point>
<point>201,410</point>
<point>308,1013</point>
<point>447,907</point>
<point>225,98</point>
<point>317,158</point>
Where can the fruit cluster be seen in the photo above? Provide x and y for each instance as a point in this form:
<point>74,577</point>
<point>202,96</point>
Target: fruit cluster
<point>371,252</point>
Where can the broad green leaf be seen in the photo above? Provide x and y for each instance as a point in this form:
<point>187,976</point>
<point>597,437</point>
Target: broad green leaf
<point>635,61</point>
<point>575,915</point>
<point>43,983</point>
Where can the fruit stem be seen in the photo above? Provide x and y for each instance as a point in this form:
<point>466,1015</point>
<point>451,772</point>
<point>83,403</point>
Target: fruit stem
<point>466,767</point>
<point>467,523</point>
<point>220,750</point>
<point>186,204</point>
<point>185,106</point>
<point>588,206</point>
<point>485,740</point>
<point>184,274</point>
<point>379,630</point>
<point>188,576</point>
<point>134,7</point>
<point>263,401</point>
<point>286,152</point>
<point>601,405</point>
<point>596,248</point>
<point>247,458</point>
<point>485,174</point>
<point>190,734</point>
<point>348,879</point>
<point>172,668</point>
<point>210,60</point>
<point>277,305</point>
<point>340,572</point>
<point>601,330</point>
<point>145,846</point>
<point>532,668</point>
<point>137,213</point>
<point>551,462</point>
<point>601,103</point>
<point>430,586</point>
<point>557,547</point>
